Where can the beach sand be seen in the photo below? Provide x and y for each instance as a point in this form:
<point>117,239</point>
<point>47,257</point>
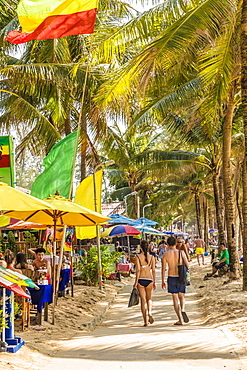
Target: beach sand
<point>221,303</point>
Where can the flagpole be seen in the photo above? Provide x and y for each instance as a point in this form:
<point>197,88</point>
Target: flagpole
<point>80,116</point>
<point>73,163</point>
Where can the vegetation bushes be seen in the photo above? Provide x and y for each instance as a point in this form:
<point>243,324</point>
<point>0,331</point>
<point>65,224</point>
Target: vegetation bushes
<point>89,264</point>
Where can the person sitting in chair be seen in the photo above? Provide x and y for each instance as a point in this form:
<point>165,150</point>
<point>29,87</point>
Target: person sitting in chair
<point>223,260</point>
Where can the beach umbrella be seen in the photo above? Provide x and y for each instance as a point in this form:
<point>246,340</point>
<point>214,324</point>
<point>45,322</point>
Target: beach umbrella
<point>13,199</point>
<point>168,232</point>
<point>21,225</point>
<point>120,230</point>
<point>213,230</point>
<point>145,221</point>
<point>148,230</point>
<point>17,277</point>
<point>116,218</point>
<point>62,212</point>
<point>14,287</point>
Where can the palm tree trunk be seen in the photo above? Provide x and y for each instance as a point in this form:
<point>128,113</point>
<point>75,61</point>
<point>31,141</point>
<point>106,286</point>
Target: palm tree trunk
<point>198,215</point>
<point>205,211</point>
<point>67,125</point>
<point>228,191</point>
<point>243,44</point>
<point>218,209</point>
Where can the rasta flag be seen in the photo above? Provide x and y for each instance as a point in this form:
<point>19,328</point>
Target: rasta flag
<point>52,19</point>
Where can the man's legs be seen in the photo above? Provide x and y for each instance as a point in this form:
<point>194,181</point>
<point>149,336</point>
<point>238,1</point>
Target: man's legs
<point>214,270</point>
<point>202,258</point>
<point>182,301</point>
<point>197,256</point>
<point>177,308</point>
<point>182,305</point>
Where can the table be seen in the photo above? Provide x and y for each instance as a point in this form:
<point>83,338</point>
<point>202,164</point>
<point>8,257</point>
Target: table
<point>41,298</point>
<point>124,267</point>
<point>65,278</point>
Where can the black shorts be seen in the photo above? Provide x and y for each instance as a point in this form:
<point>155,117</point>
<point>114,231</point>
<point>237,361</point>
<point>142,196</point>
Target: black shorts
<point>217,267</point>
<point>173,285</point>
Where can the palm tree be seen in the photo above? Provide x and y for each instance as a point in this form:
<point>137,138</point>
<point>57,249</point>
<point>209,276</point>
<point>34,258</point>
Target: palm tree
<point>43,88</point>
<point>218,76</point>
<point>244,107</point>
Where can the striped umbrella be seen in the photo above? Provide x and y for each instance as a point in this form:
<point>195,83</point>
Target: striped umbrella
<point>15,288</point>
<point>120,230</point>
<point>18,278</point>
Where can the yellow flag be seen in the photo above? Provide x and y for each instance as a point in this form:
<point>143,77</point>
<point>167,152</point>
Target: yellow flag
<point>84,196</point>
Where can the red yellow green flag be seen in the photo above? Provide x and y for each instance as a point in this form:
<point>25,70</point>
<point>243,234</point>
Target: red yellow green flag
<point>52,19</point>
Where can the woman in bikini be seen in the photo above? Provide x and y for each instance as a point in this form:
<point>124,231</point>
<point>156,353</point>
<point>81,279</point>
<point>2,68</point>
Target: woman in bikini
<point>145,281</point>
<point>10,259</point>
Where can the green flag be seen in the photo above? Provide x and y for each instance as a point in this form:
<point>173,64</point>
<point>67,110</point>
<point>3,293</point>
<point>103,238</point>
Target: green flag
<point>58,165</point>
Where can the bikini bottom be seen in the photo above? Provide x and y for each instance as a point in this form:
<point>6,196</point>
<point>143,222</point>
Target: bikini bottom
<point>145,282</point>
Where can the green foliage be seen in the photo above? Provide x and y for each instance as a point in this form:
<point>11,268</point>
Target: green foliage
<point>8,243</point>
<point>17,310</point>
<point>30,238</point>
<point>2,323</point>
<point>89,265</point>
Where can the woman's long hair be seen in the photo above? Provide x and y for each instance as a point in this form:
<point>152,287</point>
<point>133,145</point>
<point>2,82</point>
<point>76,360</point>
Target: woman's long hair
<point>9,257</point>
<point>21,260</point>
<point>145,248</point>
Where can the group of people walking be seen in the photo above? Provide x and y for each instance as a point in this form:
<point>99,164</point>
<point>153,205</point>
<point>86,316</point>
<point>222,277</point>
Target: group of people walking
<point>172,253</point>
<point>145,280</point>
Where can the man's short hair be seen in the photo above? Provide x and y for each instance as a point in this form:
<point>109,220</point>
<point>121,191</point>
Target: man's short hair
<point>171,241</point>
<point>223,244</point>
<point>40,250</point>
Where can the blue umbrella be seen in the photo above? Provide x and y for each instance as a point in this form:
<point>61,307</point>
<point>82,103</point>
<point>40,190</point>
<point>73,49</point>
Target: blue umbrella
<point>119,219</point>
<point>146,221</point>
<point>168,232</point>
<point>147,229</point>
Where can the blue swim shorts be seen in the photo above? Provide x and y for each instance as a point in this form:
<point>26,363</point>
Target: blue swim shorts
<point>173,285</point>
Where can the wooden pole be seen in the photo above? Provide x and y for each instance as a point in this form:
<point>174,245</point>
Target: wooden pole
<point>60,263</point>
<point>54,273</point>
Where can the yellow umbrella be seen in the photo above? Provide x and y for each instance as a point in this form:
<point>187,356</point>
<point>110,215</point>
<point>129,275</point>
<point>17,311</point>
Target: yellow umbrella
<point>4,221</point>
<point>13,199</point>
<point>62,212</point>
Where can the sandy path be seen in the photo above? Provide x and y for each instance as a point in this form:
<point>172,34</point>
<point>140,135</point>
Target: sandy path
<point>121,342</point>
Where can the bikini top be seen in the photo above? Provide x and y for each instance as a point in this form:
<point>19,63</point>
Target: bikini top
<point>144,266</point>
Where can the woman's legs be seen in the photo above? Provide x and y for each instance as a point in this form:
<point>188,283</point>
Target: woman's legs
<point>142,294</point>
<point>149,291</point>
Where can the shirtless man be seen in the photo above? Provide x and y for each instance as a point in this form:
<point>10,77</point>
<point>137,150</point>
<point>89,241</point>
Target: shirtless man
<point>40,260</point>
<point>199,244</point>
<point>171,258</point>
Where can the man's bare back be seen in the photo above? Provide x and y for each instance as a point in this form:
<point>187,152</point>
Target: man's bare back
<point>171,258</point>
<point>199,243</point>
